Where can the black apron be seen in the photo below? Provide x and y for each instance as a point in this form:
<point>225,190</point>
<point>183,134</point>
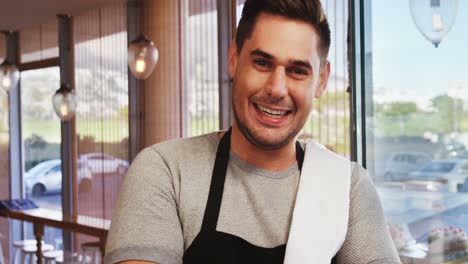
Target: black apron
<point>213,247</point>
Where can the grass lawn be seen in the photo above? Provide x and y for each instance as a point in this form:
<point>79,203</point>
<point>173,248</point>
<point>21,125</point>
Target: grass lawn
<point>106,131</point>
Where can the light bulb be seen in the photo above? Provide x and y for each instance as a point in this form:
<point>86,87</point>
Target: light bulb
<point>140,65</point>
<point>6,82</point>
<point>64,110</point>
<point>142,57</point>
<point>64,102</point>
<point>434,18</point>
<point>437,24</point>
<point>9,75</point>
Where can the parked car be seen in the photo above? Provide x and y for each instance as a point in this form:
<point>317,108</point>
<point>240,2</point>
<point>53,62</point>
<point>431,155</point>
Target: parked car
<point>103,163</point>
<point>450,172</point>
<point>46,177</point>
<point>400,164</point>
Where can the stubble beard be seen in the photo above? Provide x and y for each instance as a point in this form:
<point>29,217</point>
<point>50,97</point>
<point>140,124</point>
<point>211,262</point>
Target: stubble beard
<point>255,140</point>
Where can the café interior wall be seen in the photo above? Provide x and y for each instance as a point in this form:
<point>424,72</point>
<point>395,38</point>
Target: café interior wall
<point>162,92</point>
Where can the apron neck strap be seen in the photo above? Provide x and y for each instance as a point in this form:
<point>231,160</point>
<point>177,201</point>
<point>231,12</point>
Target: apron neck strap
<point>215,196</point>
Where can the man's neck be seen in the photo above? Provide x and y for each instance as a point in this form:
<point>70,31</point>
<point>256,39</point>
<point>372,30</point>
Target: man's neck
<point>273,160</point>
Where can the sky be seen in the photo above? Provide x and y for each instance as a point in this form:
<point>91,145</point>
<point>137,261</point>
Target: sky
<point>406,63</point>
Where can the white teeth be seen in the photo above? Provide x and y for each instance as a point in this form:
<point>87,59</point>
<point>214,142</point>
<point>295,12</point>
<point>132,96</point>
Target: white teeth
<point>271,112</point>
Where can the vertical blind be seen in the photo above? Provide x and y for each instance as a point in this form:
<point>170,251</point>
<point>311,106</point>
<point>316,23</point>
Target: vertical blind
<point>329,121</point>
<point>100,57</point>
<point>201,58</point>
<point>163,90</point>
<point>39,42</point>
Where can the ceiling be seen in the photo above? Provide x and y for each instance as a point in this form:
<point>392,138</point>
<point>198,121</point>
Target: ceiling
<point>19,14</point>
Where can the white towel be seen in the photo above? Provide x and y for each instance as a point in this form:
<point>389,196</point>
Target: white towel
<point>321,212</point>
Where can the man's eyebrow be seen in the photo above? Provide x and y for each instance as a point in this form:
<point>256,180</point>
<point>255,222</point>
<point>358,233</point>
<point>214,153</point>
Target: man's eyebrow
<point>258,52</point>
<point>301,63</point>
<point>266,55</point>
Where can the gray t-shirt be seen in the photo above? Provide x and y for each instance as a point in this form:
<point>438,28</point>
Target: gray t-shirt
<point>163,197</point>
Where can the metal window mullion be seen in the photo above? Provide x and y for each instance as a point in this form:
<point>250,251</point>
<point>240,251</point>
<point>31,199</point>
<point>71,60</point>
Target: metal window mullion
<point>15,152</point>
<point>134,28</point>
<point>67,127</point>
<point>224,38</point>
<point>358,135</point>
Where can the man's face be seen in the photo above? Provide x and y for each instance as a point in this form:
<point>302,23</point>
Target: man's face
<point>276,75</point>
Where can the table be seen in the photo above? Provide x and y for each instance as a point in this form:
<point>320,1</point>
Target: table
<point>41,217</point>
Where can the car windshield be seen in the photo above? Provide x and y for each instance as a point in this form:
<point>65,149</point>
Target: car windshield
<point>39,167</point>
<point>439,167</point>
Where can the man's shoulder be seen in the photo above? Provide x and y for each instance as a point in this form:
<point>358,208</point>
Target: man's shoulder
<point>188,142</point>
<point>183,148</point>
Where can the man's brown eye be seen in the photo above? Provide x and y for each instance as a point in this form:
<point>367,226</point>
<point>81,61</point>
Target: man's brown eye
<point>262,62</point>
<point>298,73</point>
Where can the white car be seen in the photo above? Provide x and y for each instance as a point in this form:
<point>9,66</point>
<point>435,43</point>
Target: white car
<point>450,172</point>
<point>46,177</point>
<point>400,164</point>
<point>103,163</point>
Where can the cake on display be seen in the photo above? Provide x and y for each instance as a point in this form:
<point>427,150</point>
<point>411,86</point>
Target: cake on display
<point>447,240</point>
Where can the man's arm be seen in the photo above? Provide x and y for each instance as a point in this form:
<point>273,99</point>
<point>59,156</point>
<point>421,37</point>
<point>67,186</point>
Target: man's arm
<point>367,239</point>
<point>145,224</point>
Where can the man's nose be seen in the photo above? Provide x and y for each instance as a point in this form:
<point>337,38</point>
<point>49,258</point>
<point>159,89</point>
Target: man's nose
<point>276,86</point>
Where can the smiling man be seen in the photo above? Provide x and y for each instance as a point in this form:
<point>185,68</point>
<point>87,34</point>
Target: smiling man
<point>251,194</point>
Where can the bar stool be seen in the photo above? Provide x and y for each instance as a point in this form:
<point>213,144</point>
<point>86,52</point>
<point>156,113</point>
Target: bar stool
<point>68,258</point>
<point>2,260</point>
<point>18,245</point>
<point>51,256</point>
<point>30,251</point>
<point>91,253</point>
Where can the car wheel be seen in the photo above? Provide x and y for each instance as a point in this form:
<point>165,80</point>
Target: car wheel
<point>85,186</point>
<point>388,176</point>
<point>121,169</point>
<point>38,190</point>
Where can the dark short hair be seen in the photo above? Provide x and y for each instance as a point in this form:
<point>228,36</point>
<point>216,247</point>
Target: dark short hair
<point>309,11</point>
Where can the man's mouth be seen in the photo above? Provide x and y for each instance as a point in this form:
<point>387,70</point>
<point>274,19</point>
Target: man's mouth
<point>272,112</point>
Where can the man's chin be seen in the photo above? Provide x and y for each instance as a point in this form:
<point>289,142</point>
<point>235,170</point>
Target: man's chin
<point>268,142</point>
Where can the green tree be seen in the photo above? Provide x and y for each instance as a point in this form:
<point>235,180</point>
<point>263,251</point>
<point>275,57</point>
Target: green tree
<point>449,112</point>
<point>399,109</point>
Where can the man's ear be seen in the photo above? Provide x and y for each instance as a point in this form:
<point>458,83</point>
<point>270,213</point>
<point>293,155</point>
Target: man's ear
<point>323,79</point>
<point>232,59</point>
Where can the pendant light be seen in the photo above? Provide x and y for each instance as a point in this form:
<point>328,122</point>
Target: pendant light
<point>434,18</point>
<point>64,102</point>
<point>142,57</point>
<point>9,75</point>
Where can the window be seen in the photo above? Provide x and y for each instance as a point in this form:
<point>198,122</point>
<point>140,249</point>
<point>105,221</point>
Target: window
<point>416,104</point>
<point>202,67</point>
<point>102,128</point>
<point>41,137</point>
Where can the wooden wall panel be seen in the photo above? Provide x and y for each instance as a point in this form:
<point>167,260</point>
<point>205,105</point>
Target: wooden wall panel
<point>39,42</point>
<point>163,89</point>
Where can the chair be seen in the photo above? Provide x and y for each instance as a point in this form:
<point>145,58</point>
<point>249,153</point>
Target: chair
<point>91,253</point>
<point>51,256</point>
<point>68,257</point>
<point>2,259</point>
<point>18,245</point>
<point>29,252</point>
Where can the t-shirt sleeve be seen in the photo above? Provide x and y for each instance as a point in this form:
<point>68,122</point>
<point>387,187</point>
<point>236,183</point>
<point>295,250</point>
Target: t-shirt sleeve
<point>145,224</point>
<point>368,239</point>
